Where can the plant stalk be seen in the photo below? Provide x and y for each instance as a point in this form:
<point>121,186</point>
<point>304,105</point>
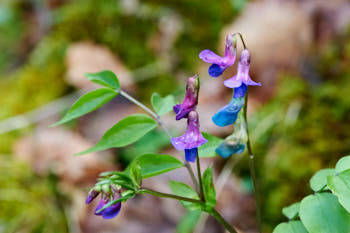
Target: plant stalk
<point>201,193</point>
<point>168,195</point>
<point>227,226</point>
<point>161,124</point>
<point>252,167</point>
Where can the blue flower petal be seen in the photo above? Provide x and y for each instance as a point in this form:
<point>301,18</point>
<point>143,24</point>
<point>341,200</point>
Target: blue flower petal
<point>225,150</point>
<point>240,91</point>
<point>228,114</point>
<point>191,154</point>
<point>215,70</point>
<point>111,211</point>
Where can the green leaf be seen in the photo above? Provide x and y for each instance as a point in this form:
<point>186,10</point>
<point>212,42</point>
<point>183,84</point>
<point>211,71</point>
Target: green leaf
<point>87,103</point>
<point>188,222</point>
<point>208,187</point>
<point>291,211</point>
<point>184,190</point>
<point>319,180</point>
<point>322,213</point>
<point>208,149</point>
<point>105,78</point>
<point>125,132</point>
<point>343,164</point>
<point>340,186</point>
<point>290,227</point>
<point>155,164</point>
<point>162,105</point>
<point>135,173</point>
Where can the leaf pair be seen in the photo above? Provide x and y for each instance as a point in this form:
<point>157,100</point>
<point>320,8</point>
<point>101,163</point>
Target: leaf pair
<point>94,99</point>
<point>126,131</point>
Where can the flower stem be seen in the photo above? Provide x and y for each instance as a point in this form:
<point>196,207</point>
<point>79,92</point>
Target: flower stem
<point>227,226</point>
<point>153,114</point>
<point>193,177</point>
<point>161,124</point>
<point>252,167</point>
<point>201,193</point>
<point>240,35</point>
<point>168,195</point>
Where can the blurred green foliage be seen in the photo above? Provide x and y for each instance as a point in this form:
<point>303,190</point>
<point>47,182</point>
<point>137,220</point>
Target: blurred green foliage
<point>304,128</point>
<point>22,198</point>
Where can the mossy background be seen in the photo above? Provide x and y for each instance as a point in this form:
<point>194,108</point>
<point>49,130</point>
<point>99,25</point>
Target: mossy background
<point>307,121</point>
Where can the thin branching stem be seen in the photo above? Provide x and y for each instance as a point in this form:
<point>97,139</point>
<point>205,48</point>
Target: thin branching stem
<point>168,195</point>
<point>252,167</point>
<point>227,226</point>
<point>201,193</point>
<point>166,130</point>
<point>240,35</point>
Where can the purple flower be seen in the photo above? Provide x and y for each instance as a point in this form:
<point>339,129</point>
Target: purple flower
<point>191,139</point>
<point>220,64</point>
<point>107,193</point>
<point>111,211</point>
<point>242,75</point>
<point>191,98</point>
<point>92,195</point>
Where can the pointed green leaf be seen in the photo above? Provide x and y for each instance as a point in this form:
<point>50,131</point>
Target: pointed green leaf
<point>290,227</point>
<point>135,173</point>
<point>105,78</point>
<point>343,164</point>
<point>208,187</point>
<point>184,190</point>
<point>155,164</point>
<point>125,132</point>
<point>208,149</point>
<point>88,103</point>
<point>162,105</point>
<point>340,186</point>
<point>291,211</point>
<point>322,213</point>
<point>188,222</point>
<point>319,180</point>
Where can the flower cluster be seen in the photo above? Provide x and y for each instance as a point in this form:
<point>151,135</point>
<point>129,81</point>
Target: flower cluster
<point>108,194</point>
<point>227,115</point>
<point>192,138</point>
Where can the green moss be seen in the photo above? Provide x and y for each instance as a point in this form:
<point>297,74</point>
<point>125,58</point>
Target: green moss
<point>22,198</point>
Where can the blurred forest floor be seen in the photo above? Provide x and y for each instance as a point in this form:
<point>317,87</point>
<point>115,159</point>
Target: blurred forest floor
<point>299,119</point>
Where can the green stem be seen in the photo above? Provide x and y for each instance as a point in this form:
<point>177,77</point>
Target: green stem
<point>153,114</point>
<point>168,195</point>
<point>240,35</point>
<point>227,226</point>
<point>252,167</point>
<point>201,193</point>
<point>161,124</point>
<point>193,177</point>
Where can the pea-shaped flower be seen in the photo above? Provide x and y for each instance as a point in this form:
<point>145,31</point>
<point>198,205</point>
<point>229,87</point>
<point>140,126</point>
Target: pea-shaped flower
<point>227,115</point>
<point>242,76</point>
<point>191,139</point>
<point>236,142</point>
<point>111,211</point>
<point>220,64</point>
<point>107,195</point>
<point>191,98</point>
